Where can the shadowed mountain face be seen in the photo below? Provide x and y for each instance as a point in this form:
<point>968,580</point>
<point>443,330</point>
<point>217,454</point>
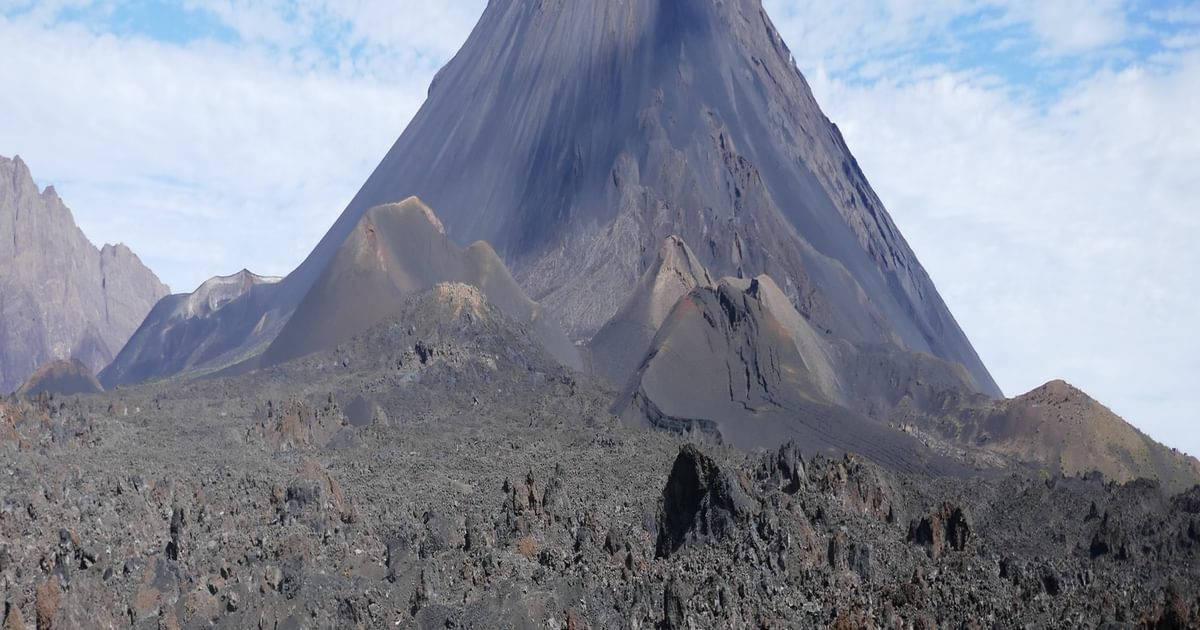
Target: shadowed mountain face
<point>60,297</point>
<point>575,136</point>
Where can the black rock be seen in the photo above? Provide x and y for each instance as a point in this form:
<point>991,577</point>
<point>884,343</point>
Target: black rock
<point>701,501</point>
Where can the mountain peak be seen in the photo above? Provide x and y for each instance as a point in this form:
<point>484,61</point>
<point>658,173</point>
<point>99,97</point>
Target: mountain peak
<point>575,137</point>
<point>412,206</point>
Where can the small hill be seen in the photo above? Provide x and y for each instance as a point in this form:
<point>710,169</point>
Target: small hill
<point>1064,429</point>
<point>397,250</point>
<point>64,378</point>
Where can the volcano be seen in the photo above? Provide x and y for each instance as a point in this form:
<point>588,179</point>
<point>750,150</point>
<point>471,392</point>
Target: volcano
<point>575,137</point>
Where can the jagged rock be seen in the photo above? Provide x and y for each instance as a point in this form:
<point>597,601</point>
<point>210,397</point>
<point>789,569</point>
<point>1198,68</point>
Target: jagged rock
<point>947,527</point>
<point>12,617</point>
<point>784,468</point>
<point>675,600</point>
<point>701,502</point>
<point>176,532</point>
<point>442,532</point>
<point>858,558</point>
<point>1110,538</point>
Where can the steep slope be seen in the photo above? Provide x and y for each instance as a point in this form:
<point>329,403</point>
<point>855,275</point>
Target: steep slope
<point>225,320</point>
<point>1064,429</point>
<point>575,136</point>
<point>395,251</point>
<point>60,297</point>
<point>621,344</point>
<point>61,377</point>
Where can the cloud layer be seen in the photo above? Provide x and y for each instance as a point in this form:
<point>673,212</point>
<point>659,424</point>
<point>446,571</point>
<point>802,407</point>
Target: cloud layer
<point>1041,157</point>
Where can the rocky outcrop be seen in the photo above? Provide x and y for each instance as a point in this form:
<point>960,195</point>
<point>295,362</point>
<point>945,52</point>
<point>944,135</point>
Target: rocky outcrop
<point>62,297</point>
<point>701,501</point>
<point>946,528</point>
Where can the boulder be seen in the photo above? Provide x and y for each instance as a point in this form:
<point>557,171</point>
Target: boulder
<point>701,502</point>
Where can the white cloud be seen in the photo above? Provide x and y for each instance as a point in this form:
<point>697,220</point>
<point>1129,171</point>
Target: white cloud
<point>208,157</point>
<point>1062,236</point>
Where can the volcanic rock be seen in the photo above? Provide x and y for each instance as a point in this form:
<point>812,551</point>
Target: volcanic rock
<point>701,502</point>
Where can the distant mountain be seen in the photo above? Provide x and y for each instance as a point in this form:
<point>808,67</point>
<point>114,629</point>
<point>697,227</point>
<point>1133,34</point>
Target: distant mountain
<point>60,297</point>
<point>223,322</point>
<point>576,136</point>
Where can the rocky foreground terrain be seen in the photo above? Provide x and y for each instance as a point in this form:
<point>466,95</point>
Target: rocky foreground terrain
<point>454,476</point>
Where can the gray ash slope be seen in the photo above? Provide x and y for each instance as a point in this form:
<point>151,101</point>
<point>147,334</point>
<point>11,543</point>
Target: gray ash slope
<point>575,136</point>
<point>397,250</point>
<point>489,488</point>
<point>62,298</point>
<point>591,131</point>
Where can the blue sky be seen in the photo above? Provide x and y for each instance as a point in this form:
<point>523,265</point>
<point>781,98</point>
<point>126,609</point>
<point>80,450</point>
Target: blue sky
<point>1040,156</point>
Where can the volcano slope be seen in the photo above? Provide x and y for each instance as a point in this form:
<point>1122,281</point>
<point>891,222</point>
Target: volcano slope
<point>442,470</point>
<point>576,136</point>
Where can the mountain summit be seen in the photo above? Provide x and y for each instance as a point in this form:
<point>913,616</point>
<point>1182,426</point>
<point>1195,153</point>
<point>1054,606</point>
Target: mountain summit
<point>576,137</point>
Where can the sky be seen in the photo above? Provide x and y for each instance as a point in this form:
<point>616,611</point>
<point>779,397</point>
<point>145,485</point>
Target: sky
<point>1042,157</point>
